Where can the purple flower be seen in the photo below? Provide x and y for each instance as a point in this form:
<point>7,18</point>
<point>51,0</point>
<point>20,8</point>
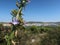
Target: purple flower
<point>15,21</point>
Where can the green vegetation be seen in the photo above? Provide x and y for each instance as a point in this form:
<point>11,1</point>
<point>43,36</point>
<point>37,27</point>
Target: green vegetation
<point>42,35</point>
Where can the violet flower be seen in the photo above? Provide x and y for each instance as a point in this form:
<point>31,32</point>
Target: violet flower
<point>15,21</point>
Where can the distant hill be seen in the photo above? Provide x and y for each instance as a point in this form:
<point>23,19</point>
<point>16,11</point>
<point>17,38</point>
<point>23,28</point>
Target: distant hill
<point>37,23</point>
<point>43,23</point>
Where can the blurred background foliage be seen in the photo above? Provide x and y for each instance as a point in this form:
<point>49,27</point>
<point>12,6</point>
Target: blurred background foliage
<point>34,35</point>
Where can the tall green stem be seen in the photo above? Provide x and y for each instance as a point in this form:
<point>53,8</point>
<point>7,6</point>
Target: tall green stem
<point>18,13</point>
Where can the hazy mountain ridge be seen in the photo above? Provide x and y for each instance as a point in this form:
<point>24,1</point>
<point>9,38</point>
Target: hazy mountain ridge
<point>37,23</point>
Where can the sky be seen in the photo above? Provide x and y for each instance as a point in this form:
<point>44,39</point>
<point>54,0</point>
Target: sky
<point>35,10</point>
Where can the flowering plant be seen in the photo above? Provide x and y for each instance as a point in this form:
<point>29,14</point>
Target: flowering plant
<point>17,19</point>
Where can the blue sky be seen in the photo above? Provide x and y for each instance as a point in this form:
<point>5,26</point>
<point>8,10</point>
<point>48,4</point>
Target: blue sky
<point>36,10</point>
